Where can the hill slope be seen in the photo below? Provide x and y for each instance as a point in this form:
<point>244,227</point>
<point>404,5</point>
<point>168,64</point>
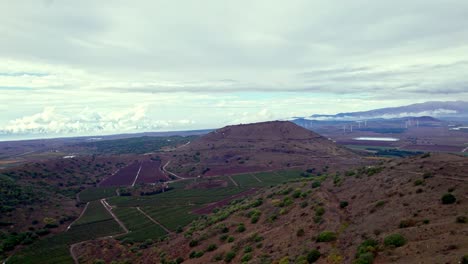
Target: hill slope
<point>258,147</point>
<point>391,213</point>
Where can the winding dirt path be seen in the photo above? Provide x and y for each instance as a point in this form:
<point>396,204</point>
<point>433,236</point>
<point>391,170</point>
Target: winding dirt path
<point>171,173</point>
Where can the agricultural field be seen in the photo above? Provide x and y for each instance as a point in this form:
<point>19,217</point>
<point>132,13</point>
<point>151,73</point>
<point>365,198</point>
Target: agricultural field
<point>139,225</point>
<point>96,193</point>
<point>95,222</point>
<point>151,172</point>
<point>123,177</point>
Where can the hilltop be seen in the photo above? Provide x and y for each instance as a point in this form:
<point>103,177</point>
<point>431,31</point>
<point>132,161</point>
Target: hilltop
<point>411,210</point>
<point>259,147</point>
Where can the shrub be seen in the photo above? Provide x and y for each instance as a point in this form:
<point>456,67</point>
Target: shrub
<point>246,257</point>
<point>193,243</point>
<point>462,219</point>
<point>326,236</point>
<point>464,260</point>
<point>396,240</point>
<point>366,252</point>
<point>223,237</point>
<point>196,254</point>
<point>319,211</point>
<point>248,249</point>
<point>230,239</point>
<point>300,232</point>
<point>240,228</point>
<point>418,182</point>
<point>230,256</point>
<point>304,204</point>
<point>448,198</point>
<point>313,256</point>
<point>343,204</point>
<point>316,184</point>
<point>211,247</point>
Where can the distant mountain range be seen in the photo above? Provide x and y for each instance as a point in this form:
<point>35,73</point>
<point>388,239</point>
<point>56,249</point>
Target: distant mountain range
<point>452,110</point>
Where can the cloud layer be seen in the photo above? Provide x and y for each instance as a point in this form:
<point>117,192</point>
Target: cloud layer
<point>223,62</point>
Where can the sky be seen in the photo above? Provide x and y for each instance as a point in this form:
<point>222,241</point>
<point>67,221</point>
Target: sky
<point>91,67</point>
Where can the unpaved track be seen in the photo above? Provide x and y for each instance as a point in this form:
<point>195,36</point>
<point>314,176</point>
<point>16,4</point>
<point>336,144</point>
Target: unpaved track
<point>168,172</point>
<point>233,181</point>
<point>138,174</point>
<point>255,177</point>
<point>82,213</point>
<point>153,220</point>
<point>109,209</point>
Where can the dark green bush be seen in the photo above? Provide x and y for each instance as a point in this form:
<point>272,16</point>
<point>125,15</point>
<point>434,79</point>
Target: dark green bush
<point>326,236</point>
<point>448,198</point>
<point>396,240</point>
<point>211,247</point>
<point>462,219</point>
<point>313,256</point>
<point>343,204</point>
<point>229,256</point>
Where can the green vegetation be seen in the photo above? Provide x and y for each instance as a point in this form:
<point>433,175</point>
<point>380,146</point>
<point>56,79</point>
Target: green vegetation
<point>55,249</point>
<point>92,194</point>
<point>396,240</point>
<point>448,198</point>
<point>326,236</point>
<point>138,145</point>
<point>366,252</point>
<point>140,226</point>
<point>229,256</point>
<point>313,256</point>
<point>462,219</point>
<point>95,212</point>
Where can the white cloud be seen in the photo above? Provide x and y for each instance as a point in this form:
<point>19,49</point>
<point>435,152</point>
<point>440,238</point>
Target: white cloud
<point>51,121</point>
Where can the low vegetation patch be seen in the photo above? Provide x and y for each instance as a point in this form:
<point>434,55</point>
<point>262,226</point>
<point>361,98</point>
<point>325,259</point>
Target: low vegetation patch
<point>448,198</point>
<point>326,236</point>
<point>395,240</point>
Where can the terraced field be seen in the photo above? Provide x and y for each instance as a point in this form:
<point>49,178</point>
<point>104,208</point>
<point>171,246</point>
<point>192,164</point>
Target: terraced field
<point>140,226</point>
<point>96,222</point>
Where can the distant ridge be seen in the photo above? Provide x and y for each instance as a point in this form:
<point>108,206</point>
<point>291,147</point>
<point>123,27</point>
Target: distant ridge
<point>454,110</point>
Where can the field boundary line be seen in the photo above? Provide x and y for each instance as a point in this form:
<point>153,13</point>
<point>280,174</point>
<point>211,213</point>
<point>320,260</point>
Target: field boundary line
<point>109,209</point>
<point>81,214</point>
<point>255,177</point>
<point>153,220</point>
<point>138,174</point>
<point>233,181</point>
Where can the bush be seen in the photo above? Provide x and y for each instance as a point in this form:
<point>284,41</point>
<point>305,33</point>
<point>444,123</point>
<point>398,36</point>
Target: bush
<point>193,243</point>
<point>326,236</point>
<point>248,249</point>
<point>462,219</point>
<point>300,232</point>
<point>316,184</point>
<point>418,182</point>
<point>241,228</point>
<point>230,239</point>
<point>396,240</point>
<point>211,247</point>
<point>448,198</point>
<point>464,260</point>
<point>246,257</point>
<point>343,204</point>
<point>230,256</point>
<point>313,256</point>
<point>196,254</point>
<point>366,252</point>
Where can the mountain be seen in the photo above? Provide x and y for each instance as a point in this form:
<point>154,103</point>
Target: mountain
<point>452,110</point>
<point>258,147</point>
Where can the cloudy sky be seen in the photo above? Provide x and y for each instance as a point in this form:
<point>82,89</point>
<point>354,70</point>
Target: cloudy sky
<point>99,67</point>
